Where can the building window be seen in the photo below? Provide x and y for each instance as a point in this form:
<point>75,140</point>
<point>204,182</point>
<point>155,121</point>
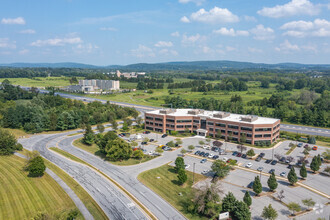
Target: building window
<point>196,121</point>
<point>158,119</point>
<point>179,126</point>
<point>267,135</point>
<point>223,131</point>
<point>210,129</point>
<point>246,129</point>
<point>195,126</point>
<point>235,133</point>
<point>233,126</point>
<point>168,125</point>
<point>183,121</point>
<point>263,129</point>
<point>170,120</point>
<point>151,123</point>
<point>147,122</point>
<point>248,135</point>
<point>210,123</point>
<point>258,135</point>
<point>188,126</point>
<point>220,125</point>
<point>150,118</point>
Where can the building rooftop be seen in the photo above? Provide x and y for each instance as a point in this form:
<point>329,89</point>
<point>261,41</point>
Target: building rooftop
<point>248,119</point>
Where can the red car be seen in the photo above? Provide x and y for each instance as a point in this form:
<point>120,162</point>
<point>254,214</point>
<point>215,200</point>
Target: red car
<point>239,155</point>
<point>314,148</point>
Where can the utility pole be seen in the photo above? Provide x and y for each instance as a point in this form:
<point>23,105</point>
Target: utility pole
<point>193,173</point>
<point>273,152</point>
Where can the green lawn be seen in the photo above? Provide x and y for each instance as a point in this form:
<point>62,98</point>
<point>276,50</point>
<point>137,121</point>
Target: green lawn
<point>163,181</point>
<point>41,81</point>
<point>94,149</point>
<point>22,197</point>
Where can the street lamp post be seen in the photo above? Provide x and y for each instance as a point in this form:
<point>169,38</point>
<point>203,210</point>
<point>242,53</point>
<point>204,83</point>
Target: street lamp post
<point>193,173</point>
<point>273,153</point>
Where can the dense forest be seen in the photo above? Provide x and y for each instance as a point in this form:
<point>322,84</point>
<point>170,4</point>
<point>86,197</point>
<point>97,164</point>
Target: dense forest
<point>35,113</point>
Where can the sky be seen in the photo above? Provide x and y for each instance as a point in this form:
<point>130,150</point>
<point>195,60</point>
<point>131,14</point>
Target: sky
<point>109,32</point>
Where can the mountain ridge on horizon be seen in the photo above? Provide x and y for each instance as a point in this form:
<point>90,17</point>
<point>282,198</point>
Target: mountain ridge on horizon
<point>175,65</point>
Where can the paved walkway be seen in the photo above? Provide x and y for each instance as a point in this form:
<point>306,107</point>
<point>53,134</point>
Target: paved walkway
<point>80,205</point>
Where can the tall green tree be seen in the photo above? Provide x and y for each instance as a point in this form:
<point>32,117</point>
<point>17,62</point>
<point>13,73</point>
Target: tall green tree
<point>179,164</point>
<point>292,176</point>
<point>272,182</point>
<point>220,168</point>
<point>88,135</point>
<point>8,143</point>
<point>241,211</point>
<point>257,187</point>
<point>269,213</point>
<point>311,140</point>
<point>36,167</point>
<point>182,176</point>
<point>229,203</point>
<point>100,128</point>
<point>315,164</point>
<point>247,198</point>
<point>303,171</point>
<point>118,149</point>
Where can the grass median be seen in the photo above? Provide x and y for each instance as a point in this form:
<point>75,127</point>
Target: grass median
<point>163,180</point>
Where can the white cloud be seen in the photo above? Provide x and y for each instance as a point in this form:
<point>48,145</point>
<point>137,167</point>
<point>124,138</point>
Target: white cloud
<point>6,43</point>
<point>287,47</point>
<point>57,42</point>
<point>24,51</point>
<point>316,28</point>
<point>168,52</point>
<point>231,32</point>
<point>250,18</point>
<point>197,2</point>
<point>192,39</point>
<point>184,19</point>
<point>175,34</point>
<point>108,29</point>
<point>84,48</point>
<point>28,31</point>
<point>262,33</point>
<point>142,51</point>
<point>294,7</point>
<point>164,44</point>
<point>214,16</point>
<point>18,20</point>
<point>254,50</point>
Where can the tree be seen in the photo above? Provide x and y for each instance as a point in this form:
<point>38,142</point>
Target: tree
<point>217,143</point>
<point>134,144</point>
<point>114,125</point>
<point>327,169</point>
<point>292,176</point>
<point>280,195</point>
<point>308,202</point>
<point>294,207</point>
<point>315,164</point>
<point>178,141</point>
<point>241,147</point>
<point>201,142</point>
<point>179,164</point>
<point>247,198</point>
<point>182,176</point>
<point>183,151</point>
<point>118,149</point>
<point>250,153</point>
<point>138,154</point>
<point>159,150</point>
<point>303,171</point>
<point>171,144</point>
<point>326,154</point>
<point>229,203</point>
<point>277,156</point>
<point>36,167</point>
<point>311,140</point>
<point>88,135</point>
<point>241,211</point>
<point>145,139</point>
<point>257,187</point>
<point>220,168</point>
<point>243,138</point>
<point>272,183</point>
<point>191,147</point>
<point>8,143</point>
<point>269,213</point>
<point>100,128</point>
<point>306,152</point>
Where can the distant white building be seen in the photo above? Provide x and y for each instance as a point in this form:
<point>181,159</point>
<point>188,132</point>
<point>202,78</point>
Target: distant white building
<point>94,85</point>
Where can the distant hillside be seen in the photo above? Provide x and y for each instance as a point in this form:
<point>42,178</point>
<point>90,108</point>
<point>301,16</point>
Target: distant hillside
<point>181,66</point>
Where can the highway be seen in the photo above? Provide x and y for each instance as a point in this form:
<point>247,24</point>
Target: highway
<point>142,108</point>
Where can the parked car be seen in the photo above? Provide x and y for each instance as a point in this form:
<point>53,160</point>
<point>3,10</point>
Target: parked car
<point>202,154</point>
<point>250,185</point>
<point>282,159</point>
<point>306,145</point>
<point>314,148</point>
<point>206,155</point>
<point>186,166</point>
<point>268,161</point>
<point>197,152</point>
<point>283,174</point>
<point>151,140</point>
<point>249,165</point>
<point>238,155</point>
<point>205,172</point>
<point>210,155</point>
<point>144,143</point>
<point>221,151</point>
<point>146,132</point>
<point>203,161</point>
<point>215,157</point>
<point>290,166</point>
<point>258,159</point>
<point>261,155</point>
<point>164,135</point>
<point>300,145</point>
<point>260,168</point>
<point>234,153</point>
<point>243,156</point>
<point>274,162</point>
<point>224,159</point>
<point>272,171</point>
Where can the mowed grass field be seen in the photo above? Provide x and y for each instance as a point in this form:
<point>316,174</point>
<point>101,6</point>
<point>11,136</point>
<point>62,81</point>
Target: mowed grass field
<point>41,81</point>
<point>22,197</point>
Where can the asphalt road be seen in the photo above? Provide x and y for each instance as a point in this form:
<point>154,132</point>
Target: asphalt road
<point>114,203</point>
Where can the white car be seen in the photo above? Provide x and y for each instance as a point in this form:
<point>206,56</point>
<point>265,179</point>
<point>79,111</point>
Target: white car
<point>186,166</point>
<point>151,152</point>
<point>205,171</point>
<point>211,155</point>
<point>283,174</point>
<point>249,165</point>
<point>224,159</point>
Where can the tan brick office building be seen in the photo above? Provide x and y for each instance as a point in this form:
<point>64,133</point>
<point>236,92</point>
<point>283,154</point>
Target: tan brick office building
<point>212,123</point>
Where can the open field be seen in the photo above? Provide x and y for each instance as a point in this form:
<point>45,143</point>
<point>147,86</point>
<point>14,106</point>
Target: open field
<point>163,181</point>
<point>41,81</point>
<point>23,197</point>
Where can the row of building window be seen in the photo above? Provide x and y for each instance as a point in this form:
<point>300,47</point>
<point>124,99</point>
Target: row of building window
<point>260,135</point>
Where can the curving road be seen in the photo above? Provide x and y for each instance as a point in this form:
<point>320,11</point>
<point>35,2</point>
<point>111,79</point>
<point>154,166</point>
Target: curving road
<point>114,203</point>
